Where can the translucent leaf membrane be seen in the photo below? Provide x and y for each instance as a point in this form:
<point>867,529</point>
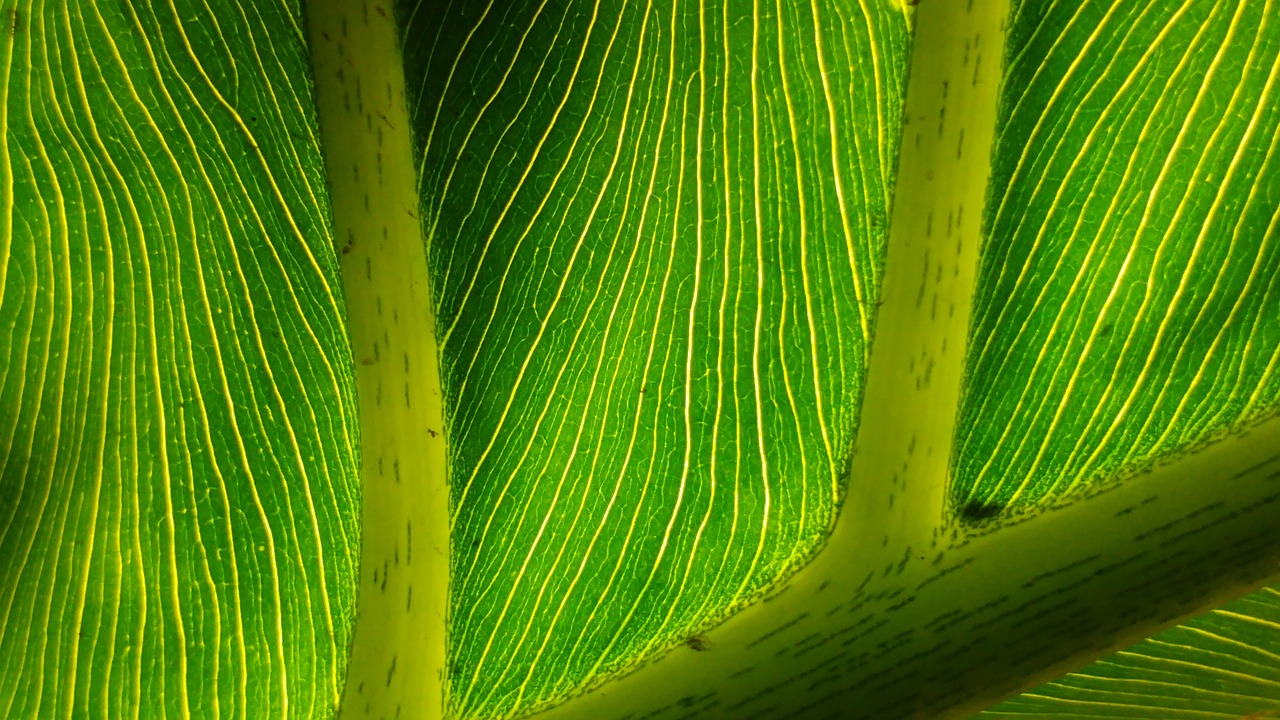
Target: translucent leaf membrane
<point>1129,294</point>
<point>1224,665</point>
<point>178,503</point>
<point>656,233</point>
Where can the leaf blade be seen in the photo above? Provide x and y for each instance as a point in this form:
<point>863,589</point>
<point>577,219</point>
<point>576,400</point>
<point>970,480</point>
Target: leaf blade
<point>166,466</point>
<point>663,346</point>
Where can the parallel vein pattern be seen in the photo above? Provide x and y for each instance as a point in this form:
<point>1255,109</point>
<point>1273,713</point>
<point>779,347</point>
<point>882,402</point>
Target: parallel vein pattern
<point>656,233</point>
<point>1224,665</point>
<point>178,504</point>
<point>1129,293</point>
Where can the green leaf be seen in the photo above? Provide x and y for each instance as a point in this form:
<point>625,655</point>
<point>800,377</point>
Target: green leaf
<point>777,380</point>
<point>1224,664</point>
<point>177,443</point>
<point>654,304</point>
<point>1126,303</point>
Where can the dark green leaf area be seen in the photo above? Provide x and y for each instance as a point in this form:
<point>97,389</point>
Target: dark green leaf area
<point>976,512</point>
<point>1129,289</point>
<point>656,237</point>
<point>178,497</point>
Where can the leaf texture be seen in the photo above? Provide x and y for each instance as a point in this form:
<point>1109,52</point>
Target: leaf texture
<point>1129,289</point>
<point>1224,665</point>
<point>178,498</point>
<point>656,233</point>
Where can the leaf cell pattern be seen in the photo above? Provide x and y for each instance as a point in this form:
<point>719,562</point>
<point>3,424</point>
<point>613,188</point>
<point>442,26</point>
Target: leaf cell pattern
<point>656,232</point>
<point>1129,291</point>
<point>176,539</point>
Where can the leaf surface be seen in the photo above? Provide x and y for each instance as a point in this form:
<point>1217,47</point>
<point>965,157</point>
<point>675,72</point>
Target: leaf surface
<point>1128,290</point>
<point>1224,664</point>
<point>178,498</point>
<point>656,234</point>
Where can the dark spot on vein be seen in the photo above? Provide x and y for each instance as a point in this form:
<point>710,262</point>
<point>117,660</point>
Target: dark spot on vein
<point>977,511</point>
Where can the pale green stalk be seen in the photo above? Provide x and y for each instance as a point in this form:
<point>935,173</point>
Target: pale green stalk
<point>398,657</point>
